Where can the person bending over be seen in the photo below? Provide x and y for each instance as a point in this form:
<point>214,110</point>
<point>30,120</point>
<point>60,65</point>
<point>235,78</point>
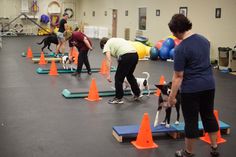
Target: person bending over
<point>127,58</point>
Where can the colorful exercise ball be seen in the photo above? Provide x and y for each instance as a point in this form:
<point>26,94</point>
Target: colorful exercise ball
<point>140,48</point>
<point>169,42</point>
<point>154,52</point>
<point>148,48</point>
<point>164,53</point>
<point>172,53</point>
<point>159,44</point>
<point>44,19</point>
<point>172,37</point>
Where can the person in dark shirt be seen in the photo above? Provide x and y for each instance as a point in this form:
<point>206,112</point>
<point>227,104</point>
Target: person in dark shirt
<point>193,76</point>
<point>60,36</point>
<point>83,44</point>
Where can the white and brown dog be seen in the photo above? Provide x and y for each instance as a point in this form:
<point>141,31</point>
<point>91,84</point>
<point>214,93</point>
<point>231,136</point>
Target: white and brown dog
<point>142,83</point>
<point>67,63</point>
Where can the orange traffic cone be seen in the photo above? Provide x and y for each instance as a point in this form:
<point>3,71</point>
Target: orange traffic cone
<point>144,139</point>
<point>206,137</point>
<point>93,92</point>
<point>104,69</point>
<point>29,53</point>
<point>161,82</point>
<point>42,60</point>
<point>53,69</point>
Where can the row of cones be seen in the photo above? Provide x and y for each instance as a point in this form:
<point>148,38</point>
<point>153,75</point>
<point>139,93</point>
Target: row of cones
<point>144,139</point>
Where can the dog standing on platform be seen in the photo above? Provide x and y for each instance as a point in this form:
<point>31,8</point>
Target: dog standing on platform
<point>51,39</point>
<point>162,103</point>
<point>142,83</point>
<point>67,63</point>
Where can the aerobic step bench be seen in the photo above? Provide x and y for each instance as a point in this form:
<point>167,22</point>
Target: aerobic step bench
<point>130,132</point>
<point>50,54</point>
<point>67,71</point>
<point>71,94</point>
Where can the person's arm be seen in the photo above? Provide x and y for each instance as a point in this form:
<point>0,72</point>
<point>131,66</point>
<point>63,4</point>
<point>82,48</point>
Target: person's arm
<point>176,82</point>
<point>87,43</point>
<point>108,61</point>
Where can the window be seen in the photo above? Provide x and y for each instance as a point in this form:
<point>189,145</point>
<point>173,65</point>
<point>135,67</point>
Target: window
<point>142,18</point>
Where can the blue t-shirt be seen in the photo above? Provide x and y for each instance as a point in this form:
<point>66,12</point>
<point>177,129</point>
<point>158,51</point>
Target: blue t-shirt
<point>192,56</point>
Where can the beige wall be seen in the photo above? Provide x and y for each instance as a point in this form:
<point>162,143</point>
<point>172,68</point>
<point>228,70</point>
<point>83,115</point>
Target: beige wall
<point>221,32</point>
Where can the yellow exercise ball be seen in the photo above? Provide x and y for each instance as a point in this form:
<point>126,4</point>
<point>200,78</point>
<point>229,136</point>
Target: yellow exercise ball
<point>140,48</point>
<point>148,48</point>
<point>172,37</point>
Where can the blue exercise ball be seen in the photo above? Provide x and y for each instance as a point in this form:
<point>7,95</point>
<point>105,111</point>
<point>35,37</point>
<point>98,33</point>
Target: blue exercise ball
<point>44,19</point>
<point>172,53</point>
<point>164,52</point>
<point>154,52</point>
<point>169,42</point>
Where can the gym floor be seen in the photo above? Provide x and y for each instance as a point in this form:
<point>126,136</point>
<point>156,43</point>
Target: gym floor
<point>37,121</point>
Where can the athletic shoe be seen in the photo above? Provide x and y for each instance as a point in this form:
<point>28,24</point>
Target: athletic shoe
<point>214,152</point>
<point>116,101</point>
<point>89,72</point>
<point>183,153</point>
<point>75,74</point>
<point>136,98</point>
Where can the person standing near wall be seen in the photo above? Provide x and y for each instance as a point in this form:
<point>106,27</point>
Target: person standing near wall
<point>193,75</point>
<point>60,35</point>
<point>127,58</point>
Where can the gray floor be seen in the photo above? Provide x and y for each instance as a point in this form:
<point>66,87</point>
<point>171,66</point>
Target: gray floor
<point>37,121</point>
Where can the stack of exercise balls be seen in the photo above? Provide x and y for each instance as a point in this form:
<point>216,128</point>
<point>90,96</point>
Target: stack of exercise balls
<point>164,49</point>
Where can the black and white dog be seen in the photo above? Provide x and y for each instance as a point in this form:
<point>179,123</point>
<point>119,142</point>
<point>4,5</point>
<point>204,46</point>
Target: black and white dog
<point>142,83</point>
<point>47,41</point>
<point>67,63</point>
<point>162,103</point>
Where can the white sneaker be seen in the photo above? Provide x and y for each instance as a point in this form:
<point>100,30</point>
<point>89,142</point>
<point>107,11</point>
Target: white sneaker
<point>116,101</point>
<point>177,123</point>
<point>167,126</point>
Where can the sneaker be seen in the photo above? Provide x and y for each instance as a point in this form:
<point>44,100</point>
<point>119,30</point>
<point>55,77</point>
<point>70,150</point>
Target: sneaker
<point>183,153</point>
<point>136,98</point>
<point>75,74</point>
<point>116,101</point>
<point>89,73</point>
<point>214,152</point>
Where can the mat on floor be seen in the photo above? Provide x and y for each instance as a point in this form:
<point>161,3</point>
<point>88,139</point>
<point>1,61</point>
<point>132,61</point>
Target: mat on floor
<point>68,71</point>
<point>73,94</point>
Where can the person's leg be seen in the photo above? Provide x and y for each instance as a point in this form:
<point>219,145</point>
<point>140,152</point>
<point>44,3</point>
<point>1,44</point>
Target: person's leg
<point>63,43</point>
<point>208,118</point>
<point>190,109</point>
<point>80,62</point>
<point>86,62</point>
<point>119,79</point>
<point>132,60</point>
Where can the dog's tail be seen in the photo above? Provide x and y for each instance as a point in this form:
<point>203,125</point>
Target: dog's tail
<point>148,75</point>
<point>41,42</point>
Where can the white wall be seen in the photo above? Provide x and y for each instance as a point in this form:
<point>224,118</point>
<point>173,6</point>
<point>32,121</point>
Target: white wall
<point>221,32</point>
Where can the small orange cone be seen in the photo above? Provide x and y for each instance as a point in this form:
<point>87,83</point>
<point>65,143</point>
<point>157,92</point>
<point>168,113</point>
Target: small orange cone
<point>29,53</point>
<point>144,139</point>
<point>104,69</point>
<point>53,69</point>
<point>42,60</point>
<point>206,138</point>
<point>161,82</point>
<point>93,92</point>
